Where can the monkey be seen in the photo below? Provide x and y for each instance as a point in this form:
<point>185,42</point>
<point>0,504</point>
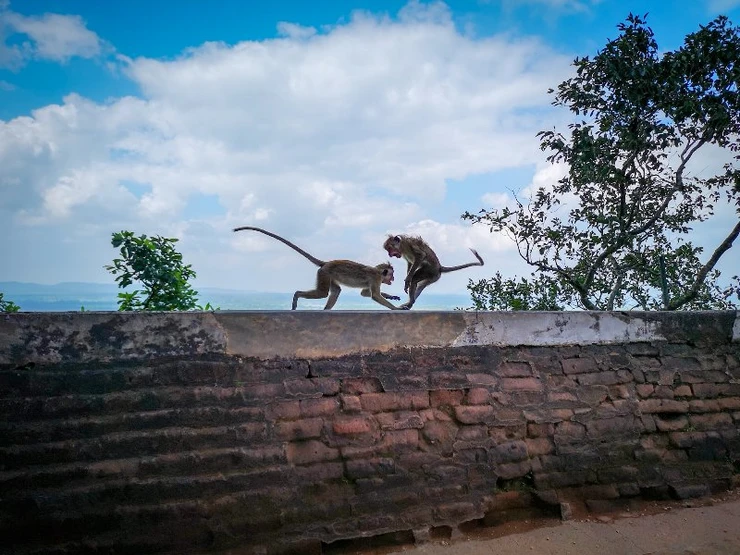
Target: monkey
<point>424,267</point>
<point>332,273</point>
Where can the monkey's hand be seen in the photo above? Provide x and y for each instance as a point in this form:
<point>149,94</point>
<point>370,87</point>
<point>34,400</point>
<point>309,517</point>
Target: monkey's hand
<point>391,297</point>
<point>406,285</point>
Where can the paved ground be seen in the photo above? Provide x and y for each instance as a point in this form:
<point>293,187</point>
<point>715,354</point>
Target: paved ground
<point>712,529</point>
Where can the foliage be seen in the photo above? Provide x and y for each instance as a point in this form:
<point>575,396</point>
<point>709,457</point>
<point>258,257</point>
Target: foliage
<point>154,262</point>
<point>614,231</point>
<point>498,293</point>
<point>8,306</point>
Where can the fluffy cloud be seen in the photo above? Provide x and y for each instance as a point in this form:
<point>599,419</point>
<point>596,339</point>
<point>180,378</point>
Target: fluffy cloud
<point>330,138</point>
<point>48,36</point>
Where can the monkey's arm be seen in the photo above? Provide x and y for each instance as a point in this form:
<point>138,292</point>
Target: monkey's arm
<point>391,297</point>
<point>379,297</point>
<point>412,269</point>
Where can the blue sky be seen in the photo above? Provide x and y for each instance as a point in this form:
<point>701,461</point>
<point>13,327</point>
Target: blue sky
<point>331,123</point>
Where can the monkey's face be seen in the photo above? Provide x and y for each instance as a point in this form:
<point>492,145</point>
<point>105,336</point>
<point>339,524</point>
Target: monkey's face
<point>387,274</point>
<point>392,245</point>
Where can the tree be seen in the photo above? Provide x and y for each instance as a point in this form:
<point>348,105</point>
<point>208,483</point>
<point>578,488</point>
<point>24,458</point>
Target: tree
<point>155,263</point>
<point>614,232</point>
<point>8,306</point>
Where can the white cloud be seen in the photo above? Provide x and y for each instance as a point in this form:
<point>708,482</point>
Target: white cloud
<point>722,6</point>
<point>330,138</point>
<point>50,36</point>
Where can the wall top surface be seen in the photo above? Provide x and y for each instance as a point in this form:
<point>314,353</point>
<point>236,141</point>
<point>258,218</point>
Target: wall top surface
<point>53,337</point>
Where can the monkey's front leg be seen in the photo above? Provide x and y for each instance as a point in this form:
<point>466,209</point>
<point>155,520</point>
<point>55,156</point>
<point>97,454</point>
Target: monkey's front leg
<point>391,297</point>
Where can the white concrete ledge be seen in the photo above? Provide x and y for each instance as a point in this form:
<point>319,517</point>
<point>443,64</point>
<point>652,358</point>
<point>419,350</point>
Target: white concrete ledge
<point>54,337</point>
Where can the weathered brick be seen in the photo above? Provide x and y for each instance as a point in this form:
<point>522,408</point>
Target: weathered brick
<point>670,424</point>
<point>320,472</point>
<point>514,369</point>
<point>477,396</point>
<point>311,387</point>
<point>455,512</point>
<point>400,439</point>
<point>521,384</point>
<point>350,403</point>
<point>512,451</point>
<point>684,440</point>
<point>325,406</point>
<point>376,466</point>
<point>399,420</point>
<point>711,421</point>
<point>501,434</point>
<point>644,390</point>
<point>539,446</point>
<point>446,397</point>
<point>309,452</point>
<point>448,380</point>
<point>545,429</point>
<point>705,405</point>
<point>472,433</point>
<point>572,430</point>
<point>664,392</point>
<point>662,405</point>
<point>562,414</point>
<point>683,391</point>
<point>729,403</point>
<point>561,397</point>
<point>592,394</point>
<point>357,386</point>
<point>579,365</point>
<point>607,377</point>
<point>513,470</point>
<point>474,414</point>
<point>285,410</point>
<point>482,379</point>
<point>608,427</point>
<point>383,402</point>
<point>299,429</point>
<point>352,425</point>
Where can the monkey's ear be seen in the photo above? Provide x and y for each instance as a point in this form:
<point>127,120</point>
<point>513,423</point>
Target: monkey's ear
<point>396,239</point>
<point>386,270</point>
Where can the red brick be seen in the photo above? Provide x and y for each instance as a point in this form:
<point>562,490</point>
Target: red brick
<point>570,429</point>
<point>671,424</point>
<point>730,403</point>
<point>349,425</point>
<point>399,420</point>
<point>477,396</point>
<point>446,397</point>
<point>350,403</point>
<point>559,396</point>
<point>325,406</point>
<point>299,429</point>
<point>683,391</point>
<point>644,390</point>
<point>286,410</point>
<point>540,430</point>
<point>474,414</point>
<point>711,421</point>
<point>705,405</point>
<point>356,386</point>
<point>539,446</point>
<point>401,438</point>
<point>514,370</point>
<point>579,365</point>
<point>521,384</point>
<point>383,402</point>
<point>311,451</point>
<point>662,405</point>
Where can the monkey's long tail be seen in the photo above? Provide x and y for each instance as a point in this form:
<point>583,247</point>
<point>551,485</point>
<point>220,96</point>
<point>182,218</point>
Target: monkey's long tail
<point>445,269</point>
<point>298,249</point>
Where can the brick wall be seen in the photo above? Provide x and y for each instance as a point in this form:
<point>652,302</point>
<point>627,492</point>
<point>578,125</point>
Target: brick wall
<point>138,433</point>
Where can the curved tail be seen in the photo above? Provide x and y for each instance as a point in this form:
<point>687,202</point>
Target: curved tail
<point>313,259</point>
<point>445,269</point>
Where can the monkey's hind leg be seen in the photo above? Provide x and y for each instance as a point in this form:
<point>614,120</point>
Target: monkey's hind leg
<point>323,284</point>
<point>415,291</point>
<point>333,296</point>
